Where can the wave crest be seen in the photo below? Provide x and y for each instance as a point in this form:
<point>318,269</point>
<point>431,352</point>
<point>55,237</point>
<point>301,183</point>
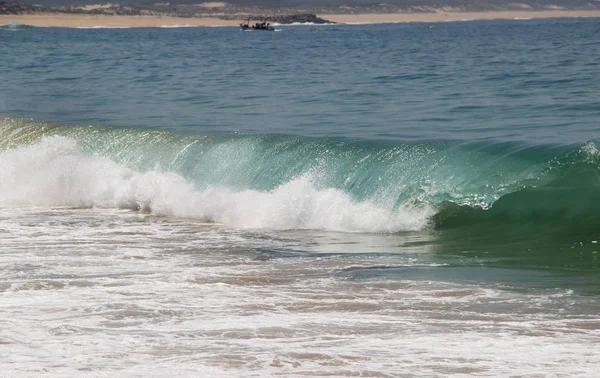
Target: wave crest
<point>13,26</point>
<point>54,172</point>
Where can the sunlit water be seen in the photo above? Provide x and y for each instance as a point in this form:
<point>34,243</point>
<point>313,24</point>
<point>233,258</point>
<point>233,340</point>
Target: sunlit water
<point>373,200</point>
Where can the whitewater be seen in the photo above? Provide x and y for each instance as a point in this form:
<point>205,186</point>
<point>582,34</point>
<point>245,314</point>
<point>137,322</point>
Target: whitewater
<point>343,200</point>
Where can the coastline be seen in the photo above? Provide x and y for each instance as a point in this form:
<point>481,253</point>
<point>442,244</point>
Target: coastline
<point>84,20</point>
<point>455,16</point>
<point>70,20</point>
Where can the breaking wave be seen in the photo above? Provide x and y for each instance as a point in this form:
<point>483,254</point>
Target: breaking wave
<point>14,26</point>
<point>288,182</point>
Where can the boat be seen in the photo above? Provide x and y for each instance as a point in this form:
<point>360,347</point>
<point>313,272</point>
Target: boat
<point>262,26</point>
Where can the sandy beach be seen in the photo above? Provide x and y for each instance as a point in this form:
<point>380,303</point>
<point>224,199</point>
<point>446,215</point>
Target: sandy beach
<point>454,16</point>
<point>76,20</point>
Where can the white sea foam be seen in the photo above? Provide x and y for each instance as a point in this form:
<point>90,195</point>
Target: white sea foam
<point>177,26</point>
<point>88,292</point>
<point>371,22</point>
<point>14,26</point>
<point>193,26</point>
<point>103,27</point>
<point>103,290</point>
<point>463,20</point>
<point>590,149</point>
<point>304,24</point>
<point>55,172</point>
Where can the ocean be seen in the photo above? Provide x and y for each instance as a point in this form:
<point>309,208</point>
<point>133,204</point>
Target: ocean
<point>376,200</point>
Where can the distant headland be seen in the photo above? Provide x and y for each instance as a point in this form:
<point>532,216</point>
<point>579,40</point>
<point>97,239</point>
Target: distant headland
<point>227,14</point>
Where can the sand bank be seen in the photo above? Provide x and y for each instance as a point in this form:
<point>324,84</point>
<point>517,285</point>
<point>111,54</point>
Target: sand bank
<point>454,16</point>
<point>78,20</point>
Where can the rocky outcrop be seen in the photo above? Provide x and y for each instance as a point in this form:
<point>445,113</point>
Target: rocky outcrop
<point>289,18</point>
<point>303,18</point>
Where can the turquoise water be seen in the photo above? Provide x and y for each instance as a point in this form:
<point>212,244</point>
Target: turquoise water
<point>453,167</point>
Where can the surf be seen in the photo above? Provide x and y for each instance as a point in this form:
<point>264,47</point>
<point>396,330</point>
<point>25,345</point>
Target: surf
<point>288,182</point>
<point>15,26</point>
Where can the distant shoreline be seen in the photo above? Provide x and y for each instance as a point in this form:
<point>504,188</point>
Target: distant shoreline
<point>455,16</point>
<point>87,20</point>
<point>70,20</point>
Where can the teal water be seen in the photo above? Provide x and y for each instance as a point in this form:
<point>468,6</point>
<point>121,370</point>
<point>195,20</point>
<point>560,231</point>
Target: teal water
<point>444,176</point>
